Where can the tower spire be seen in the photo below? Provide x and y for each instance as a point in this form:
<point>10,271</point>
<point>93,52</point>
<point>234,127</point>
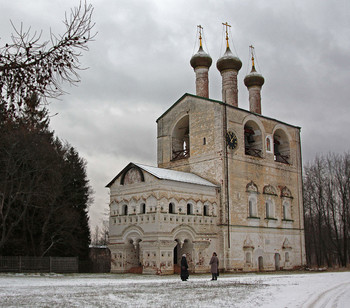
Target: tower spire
<point>226,26</point>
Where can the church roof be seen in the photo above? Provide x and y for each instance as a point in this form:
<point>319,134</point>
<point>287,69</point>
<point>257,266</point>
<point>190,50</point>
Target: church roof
<point>173,175</point>
<point>170,175</point>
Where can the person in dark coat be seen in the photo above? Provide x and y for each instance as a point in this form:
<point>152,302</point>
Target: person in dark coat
<point>214,262</point>
<point>184,268</point>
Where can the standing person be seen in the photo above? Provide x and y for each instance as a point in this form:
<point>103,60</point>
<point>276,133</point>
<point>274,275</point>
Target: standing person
<point>184,268</point>
<point>214,262</point>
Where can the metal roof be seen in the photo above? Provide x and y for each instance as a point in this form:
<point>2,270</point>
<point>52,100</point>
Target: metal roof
<point>173,175</point>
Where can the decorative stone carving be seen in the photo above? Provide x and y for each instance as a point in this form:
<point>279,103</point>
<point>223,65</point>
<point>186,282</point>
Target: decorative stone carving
<point>270,190</point>
<point>251,187</point>
<point>286,244</point>
<point>248,244</point>
<point>285,192</point>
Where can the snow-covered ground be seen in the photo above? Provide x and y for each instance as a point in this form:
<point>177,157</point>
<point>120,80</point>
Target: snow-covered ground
<point>331,289</point>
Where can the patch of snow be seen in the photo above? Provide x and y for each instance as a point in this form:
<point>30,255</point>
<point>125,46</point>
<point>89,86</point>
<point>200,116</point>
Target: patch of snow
<point>112,290</point>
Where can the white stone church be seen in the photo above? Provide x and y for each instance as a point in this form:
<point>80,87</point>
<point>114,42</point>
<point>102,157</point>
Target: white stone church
<point>228,180</point>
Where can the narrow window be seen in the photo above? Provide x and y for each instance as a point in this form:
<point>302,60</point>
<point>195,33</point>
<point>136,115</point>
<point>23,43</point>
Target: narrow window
<point>143,208</point>
<point>204,141</point>
<point>205,210</point>
<point>171,208</point>
<point>125,209</point>
<point>268,144</point>
<point>248,257</point>
<point>251,208</point>
<point>286,256</point>
<point>286,210</point>
<point>189,209</point>
<point>268,209</point>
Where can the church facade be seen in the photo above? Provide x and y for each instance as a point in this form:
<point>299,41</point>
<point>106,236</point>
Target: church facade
<point>228,180</point>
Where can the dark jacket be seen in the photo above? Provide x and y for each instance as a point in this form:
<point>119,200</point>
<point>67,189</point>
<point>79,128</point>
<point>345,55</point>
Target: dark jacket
<point>184,269</point>
<point>214,262</point>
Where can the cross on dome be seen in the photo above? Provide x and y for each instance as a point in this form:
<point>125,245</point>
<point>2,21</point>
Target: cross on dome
<point>227,26</point>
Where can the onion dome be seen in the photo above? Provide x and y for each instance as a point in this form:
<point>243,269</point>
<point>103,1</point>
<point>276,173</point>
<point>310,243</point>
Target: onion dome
<point>254,79</point>
<point>228,61</point>
<point>201,58</point>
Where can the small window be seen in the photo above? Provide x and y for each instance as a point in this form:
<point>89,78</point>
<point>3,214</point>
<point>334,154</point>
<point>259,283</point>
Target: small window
<point>125,209</point>
<point>204,141</point>
<point>286,256</point>
<point>252,206</point>
<point>143,208</point>
<point>269,209</point>
<point>189,209</point>
<point>286,210</point>
<point>171,208</point>
<point>248,257</point>
<point>205,210</point>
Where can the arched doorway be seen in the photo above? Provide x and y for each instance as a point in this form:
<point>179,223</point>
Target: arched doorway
<point>183,247</point>
<point>277,261</point>
<point>260,263</point>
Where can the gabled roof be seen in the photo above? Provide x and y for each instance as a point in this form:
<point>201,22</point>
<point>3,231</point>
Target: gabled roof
<point>167,174</point>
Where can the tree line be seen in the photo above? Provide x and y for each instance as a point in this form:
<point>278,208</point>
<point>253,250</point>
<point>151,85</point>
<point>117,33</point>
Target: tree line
<point>327,210</point>
<point>44,190</point>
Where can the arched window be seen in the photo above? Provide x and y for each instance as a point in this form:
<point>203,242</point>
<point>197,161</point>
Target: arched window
<point>205,210</point>
<point>269,144</point>
<point>181,139</point>
<point>248,257</point>
<point>125,209</point>
<point>281,147</point>
<point>171,208</point>
<point>286,209</point>
<point>286,256</point>
<point>269,209</point>
<point>189,209</point>
<point>252,139</point>
<point>143,208</point>
<point>252,206</point>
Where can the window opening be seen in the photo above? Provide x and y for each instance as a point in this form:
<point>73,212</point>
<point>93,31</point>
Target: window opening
<point>252,140</point>
<point>171,208</point>
<point>248,257</point>
<point>125,209</point>
<point>269,210</point>
<point>281,147</point>
<point>181,140</point>
<point>205,210</point>
<point>286,256</point>
<point>189,209</point>
<point>143,208</point>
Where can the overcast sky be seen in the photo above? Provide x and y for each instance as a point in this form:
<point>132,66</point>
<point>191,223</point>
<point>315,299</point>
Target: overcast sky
<point>139,66</point>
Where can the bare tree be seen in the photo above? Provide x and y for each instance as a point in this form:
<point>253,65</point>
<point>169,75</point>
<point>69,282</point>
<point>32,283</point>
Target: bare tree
<point>29,66</point>
<point>327,215</point>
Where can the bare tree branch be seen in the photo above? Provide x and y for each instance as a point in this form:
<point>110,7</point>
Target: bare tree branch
<point>29,66</point>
